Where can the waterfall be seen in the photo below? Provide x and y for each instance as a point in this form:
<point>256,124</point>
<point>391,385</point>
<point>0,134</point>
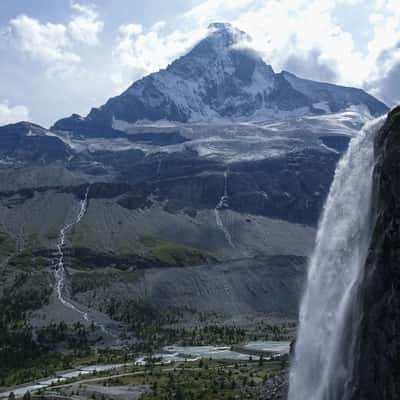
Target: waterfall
<point>329,313</point>
<point>223,205</point>
<point>60,268</point>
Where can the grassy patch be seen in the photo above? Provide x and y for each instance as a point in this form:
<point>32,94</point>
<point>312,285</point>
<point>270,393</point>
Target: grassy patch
<point>29,260</point>
<point>175,254</point>
<point>202,380</point>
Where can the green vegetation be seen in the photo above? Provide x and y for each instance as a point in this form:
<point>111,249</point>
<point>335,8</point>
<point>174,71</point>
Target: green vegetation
<point>38,358</point>
<point>175,254</point>
<point>29,260</point>
<point>231,335</point>
<point>145,322</point>
<point>25,353</point>
<point>263,330</point>
<point>153,334</point>
<point>16,337</point>
<point>204,379</point>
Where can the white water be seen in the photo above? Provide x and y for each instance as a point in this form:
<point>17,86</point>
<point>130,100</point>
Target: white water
<point>329,313</point>
<point>223,204</point>
<point>60,269</point>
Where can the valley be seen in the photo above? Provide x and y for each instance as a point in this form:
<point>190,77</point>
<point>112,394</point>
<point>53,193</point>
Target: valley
<point>158,247</point>
<point>133,250</point>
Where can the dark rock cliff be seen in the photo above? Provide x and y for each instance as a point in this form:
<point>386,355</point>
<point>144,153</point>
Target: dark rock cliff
<point>377,370</point>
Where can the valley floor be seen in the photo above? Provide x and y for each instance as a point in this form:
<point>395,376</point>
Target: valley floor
<point>216,374</point>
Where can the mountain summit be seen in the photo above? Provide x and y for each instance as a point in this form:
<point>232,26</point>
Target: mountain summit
<point>222,79</point>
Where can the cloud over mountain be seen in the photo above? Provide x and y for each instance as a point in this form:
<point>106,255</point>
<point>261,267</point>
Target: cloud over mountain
<point>10,114</point>
<point>92,50</point>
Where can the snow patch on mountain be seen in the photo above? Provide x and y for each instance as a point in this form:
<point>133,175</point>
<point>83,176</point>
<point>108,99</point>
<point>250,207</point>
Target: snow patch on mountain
<point>323,106</point>
<point>230,142</point>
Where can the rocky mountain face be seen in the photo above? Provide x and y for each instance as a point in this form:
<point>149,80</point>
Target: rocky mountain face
<point>220,79</point>
<point>29,143</point>
<point>202,186</point>
<point>377,373</point>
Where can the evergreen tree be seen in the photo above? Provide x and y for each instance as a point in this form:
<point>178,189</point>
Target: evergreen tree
<point>27,396</point>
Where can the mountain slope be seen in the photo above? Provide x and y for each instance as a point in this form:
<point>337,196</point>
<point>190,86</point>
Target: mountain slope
<point>333,98</point>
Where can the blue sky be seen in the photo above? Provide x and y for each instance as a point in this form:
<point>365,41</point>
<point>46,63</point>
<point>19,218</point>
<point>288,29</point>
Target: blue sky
<point>116,12</point>
<point>64,56</point>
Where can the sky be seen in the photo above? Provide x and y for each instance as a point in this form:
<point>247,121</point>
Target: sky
<point>59,57</point>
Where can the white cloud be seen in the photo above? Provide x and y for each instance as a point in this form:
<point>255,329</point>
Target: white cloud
<point>384,52</point>
<point>138,52</point>
<point>216,10</point>
<point>55,44</point>
<point>85,26</point>
<point>130,30</point>
<point>302,36</point>
<point>285,30</point>
<point>44,42</point>
<point>297,34</point>
<point>387,87</point>
<point>312,65</point>
<point>9,115</point>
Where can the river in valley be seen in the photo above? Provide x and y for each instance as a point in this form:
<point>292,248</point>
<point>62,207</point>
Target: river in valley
<point>168,355</point>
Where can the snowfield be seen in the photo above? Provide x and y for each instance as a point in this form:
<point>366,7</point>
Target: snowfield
<point>232,142</point>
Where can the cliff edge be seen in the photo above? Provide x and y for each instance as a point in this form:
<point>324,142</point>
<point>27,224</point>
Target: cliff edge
<point>377,369</point>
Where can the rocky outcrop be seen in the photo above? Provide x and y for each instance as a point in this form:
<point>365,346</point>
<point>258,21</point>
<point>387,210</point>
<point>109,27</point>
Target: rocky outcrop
<point>25,142</point>
<point>377,370</point>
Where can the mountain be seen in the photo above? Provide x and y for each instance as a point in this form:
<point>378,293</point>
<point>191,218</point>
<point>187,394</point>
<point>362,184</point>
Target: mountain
<point>220,80</point>
<point>190,198</point>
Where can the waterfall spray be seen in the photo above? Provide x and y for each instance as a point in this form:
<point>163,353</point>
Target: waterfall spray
<point>329,313</point>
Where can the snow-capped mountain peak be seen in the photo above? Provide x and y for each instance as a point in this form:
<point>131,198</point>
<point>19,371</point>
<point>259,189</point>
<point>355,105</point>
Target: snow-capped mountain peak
<point>222,36</point>
<point>221,79</point>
